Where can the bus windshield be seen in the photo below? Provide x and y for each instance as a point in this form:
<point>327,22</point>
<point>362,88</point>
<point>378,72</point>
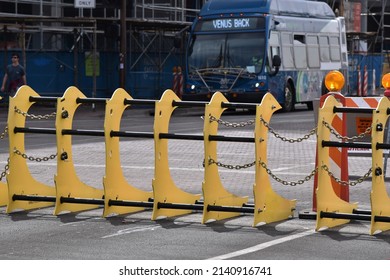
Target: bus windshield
<point>227,52</point>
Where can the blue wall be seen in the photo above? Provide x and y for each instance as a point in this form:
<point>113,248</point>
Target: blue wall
<point>372,62</point>
<point>51,73</point>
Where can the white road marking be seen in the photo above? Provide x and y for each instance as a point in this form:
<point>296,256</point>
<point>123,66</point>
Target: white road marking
<point>131,230</point>
<point>80,222</point>
<point>263,246</point>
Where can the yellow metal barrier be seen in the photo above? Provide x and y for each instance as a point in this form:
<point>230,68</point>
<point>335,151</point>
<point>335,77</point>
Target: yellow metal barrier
<point>68,184</point>
<point>327,200</point>
<point>213,191</point>
<point>164,188</point>
<point>116,187</point>
<point>19,179</point>
<point>380,201</point>
<point>23,192</point>
<point>269,206</point>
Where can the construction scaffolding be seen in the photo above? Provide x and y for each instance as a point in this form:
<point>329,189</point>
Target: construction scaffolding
<point>137,38</point>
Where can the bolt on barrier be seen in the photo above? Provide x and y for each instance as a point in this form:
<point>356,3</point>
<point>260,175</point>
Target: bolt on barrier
<point>331,209</point>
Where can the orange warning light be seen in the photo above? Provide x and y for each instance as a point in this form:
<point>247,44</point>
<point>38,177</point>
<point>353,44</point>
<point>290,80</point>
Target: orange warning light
<point>334,81</point>
<point>386,84</point>
<point>386,81</point>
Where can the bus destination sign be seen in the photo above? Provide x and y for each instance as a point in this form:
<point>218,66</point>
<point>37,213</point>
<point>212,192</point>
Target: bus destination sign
<point>226,24</point>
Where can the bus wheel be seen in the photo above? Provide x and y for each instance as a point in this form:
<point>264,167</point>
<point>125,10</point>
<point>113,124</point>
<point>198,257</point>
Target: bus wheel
<point>288,105</point>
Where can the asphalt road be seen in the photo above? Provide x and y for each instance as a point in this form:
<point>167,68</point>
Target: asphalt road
<point>39,235</point>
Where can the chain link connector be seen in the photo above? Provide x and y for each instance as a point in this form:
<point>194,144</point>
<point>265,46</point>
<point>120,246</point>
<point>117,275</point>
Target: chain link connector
<point>284,182</point>
<point>4,173</point>
<point>32,116</point>
<point>2,135</point>
<point>229,166</point>
<point>31,158</point>
<point>230,124</point>
<point>346,138</point>
<point>347,183</point>
<point>289,140</point>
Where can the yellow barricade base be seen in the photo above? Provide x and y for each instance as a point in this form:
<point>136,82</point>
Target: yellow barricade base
<point>327,200</point>
<point>116,187</point>
<point>164,189</point>
<point>269,206</point>
<point>19,179</point>
<point>68,185</point>
<point>214,193</point>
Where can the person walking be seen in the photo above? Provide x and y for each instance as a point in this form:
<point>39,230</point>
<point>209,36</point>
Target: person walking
<point>14,77</point>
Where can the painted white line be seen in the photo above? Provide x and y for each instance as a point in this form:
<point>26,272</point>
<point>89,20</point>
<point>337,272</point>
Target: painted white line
<point>263,246</point>
<point>131,230</point>
<point>79,222</point>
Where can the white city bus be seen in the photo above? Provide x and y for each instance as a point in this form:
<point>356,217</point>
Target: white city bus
<point>245,48</point>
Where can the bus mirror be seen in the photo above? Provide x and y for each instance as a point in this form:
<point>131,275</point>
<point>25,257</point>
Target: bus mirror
<point>276,62</point>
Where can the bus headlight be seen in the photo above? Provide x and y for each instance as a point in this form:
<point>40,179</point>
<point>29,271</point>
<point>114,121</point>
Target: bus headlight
<point>334,81</point>
<point>192,87</point>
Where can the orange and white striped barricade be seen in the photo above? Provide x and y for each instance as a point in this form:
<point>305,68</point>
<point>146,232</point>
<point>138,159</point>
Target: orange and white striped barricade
<point>365,81</point>
<point>354,124</point>
<point>358,124</point>
<point>359,82</point>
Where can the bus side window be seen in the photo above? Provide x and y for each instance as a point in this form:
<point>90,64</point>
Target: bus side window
<point>274,48</point>
<point>324,49</point>
<point>287,50</point>
<point>313,52</point>
<point>300,51</point>
<point>334,49</point>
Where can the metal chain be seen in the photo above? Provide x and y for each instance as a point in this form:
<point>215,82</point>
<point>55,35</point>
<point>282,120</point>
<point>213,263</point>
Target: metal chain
<point>270,129</point>
<point>23,155</point>
<point>299,182</point>
<point>2,135</point>
<point>345,183</point>
<point>346,138</point>
<point>37,117</point>
<point>284,182</point>
<point>4,173</point>
<point>229,166</point>
<point>290,140</point>
<point>230,124</point>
